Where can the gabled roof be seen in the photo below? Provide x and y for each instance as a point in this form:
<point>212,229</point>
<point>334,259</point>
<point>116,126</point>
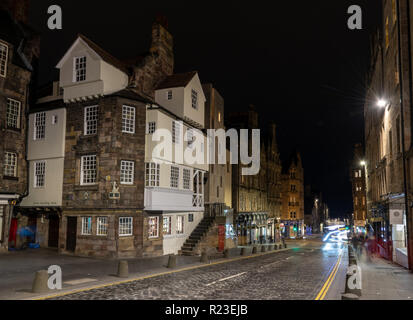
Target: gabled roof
<point>103,54</point>
<point>177,80</point>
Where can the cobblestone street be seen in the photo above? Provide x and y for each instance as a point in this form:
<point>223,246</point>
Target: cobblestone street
<point>298,273</point>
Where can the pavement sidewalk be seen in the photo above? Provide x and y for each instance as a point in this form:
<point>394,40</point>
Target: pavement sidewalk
<point>383,280</point>
<point>17,270</point>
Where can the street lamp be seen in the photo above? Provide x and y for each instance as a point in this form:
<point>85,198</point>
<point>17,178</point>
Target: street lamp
<point>363,163</point>
<point>381,103</point>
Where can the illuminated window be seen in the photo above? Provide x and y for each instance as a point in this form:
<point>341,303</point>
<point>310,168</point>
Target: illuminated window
<point>153,225</point>
<point>167,225</point>
<point>87,226</point>
<point>180,224</point>
<point>102,226</point>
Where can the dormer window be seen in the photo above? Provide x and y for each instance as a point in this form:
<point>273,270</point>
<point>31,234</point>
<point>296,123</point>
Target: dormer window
<point>3,59</point>
<point>79,69</point>
<point>194,97</point>
<point>169,95</point>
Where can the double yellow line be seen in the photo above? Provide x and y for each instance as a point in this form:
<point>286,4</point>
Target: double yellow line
<point>321,295</point>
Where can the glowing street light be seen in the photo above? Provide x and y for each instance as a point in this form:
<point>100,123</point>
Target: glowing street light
<point>363,163</point>
<point>381,103</point>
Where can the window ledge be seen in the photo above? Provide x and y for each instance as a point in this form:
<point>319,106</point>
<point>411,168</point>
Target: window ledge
<point>94,187</point>
<point>16,130</point>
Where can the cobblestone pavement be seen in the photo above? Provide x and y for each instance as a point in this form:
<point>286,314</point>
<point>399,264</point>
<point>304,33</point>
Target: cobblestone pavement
<point>296,274</point>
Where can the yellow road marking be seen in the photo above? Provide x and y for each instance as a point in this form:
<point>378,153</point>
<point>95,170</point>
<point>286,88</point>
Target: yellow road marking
<point>321,295</point>
<point>157,275</point>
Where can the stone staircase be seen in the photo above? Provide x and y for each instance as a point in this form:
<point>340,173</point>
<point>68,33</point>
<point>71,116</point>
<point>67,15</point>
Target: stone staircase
<point>190,246</point>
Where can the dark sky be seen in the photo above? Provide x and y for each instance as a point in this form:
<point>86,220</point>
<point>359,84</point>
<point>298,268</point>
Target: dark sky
<point>295,60</point>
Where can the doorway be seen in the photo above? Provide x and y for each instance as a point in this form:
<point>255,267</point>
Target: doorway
<point>53,232</point>
<point>71,234</point>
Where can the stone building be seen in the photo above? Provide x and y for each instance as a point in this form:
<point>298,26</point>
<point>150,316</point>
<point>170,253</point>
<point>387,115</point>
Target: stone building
<point>316,211</point>
<point>292,217</point>
<point>89,184</point>
<point>255,199</point>
<point>388,131</point>
<point>19,54</point>
<point>358,182</point>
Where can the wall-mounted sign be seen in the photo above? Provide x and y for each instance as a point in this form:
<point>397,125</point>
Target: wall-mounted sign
<point>396,216</point>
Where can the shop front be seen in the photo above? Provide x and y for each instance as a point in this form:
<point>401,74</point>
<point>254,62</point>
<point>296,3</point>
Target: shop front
<point>253,228</point>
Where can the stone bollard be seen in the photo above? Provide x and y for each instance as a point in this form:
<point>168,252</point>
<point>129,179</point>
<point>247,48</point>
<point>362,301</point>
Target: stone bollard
<point>204,257</point>
<point>226,253</point>
<point>254,249</point>
<point>244,251</point>
<point>172,261</point>
<point>349,296</point>
<point>123,269</point>
<point>263,248</point>
<point>40,282</point>
<point>285,245</point>
<point>276,247</point>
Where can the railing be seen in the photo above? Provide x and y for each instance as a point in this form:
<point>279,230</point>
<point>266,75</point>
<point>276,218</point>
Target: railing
<point>198,200</point>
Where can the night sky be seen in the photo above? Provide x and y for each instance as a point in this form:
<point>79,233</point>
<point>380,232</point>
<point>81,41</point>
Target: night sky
<point>295,60</point>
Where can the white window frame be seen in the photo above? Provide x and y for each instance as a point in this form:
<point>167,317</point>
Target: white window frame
<point>176,131</point>
<point>190,137</point>
<point>186,175</point>
<point>87,228</point>
<point>180,224</point>
<point>78,66</point>
<point>174,179</point>
<point>125,226</point>
<point>91,120</point>
<point>150,234</point>
<point>39,126</point>
<point>152,174</point>
<point>102,226</point>
<point>194,99</point>
<point>10,161</point>
<point>169,225</point>
<point>151,128</point>
<point>4,56</point>
<point>169,95</point>
<point>93,158</point>
<point>127,172</point>
<point>128,119</point>
<point>39,169</point>
<point>13,113</point>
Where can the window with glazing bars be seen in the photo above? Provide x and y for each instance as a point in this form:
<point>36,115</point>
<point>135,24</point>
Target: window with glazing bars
<point>127,172</point>
<point>102,226</point>
<point>4,50</point>
<point>176,131</point>
<point>10,164</point>
<point>125,226</point>
<point>194,98</point>
<point>128,119</point>
<point>153,225</point>
<point>39,125</point>
<point>80,69</point>
<point>174,177</point>
<point>151,127</point>
<point>180,224</point>
<point>91,120</point>
<point>167,225</point>
<point>86,226</point>
<point>13,113</point>
<point>39,174</point>
<point>152,174</point>
<point>88,170</point>
<point>187,178</point>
